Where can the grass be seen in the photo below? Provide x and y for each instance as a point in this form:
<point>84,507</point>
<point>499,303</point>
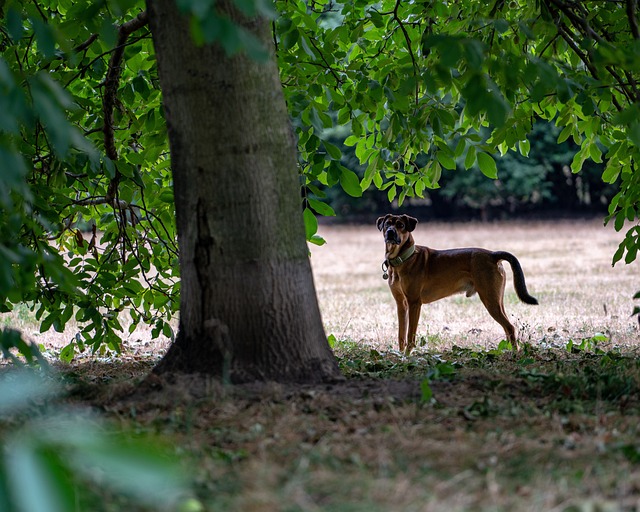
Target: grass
<point>567,267</point>
<point>461,424</point>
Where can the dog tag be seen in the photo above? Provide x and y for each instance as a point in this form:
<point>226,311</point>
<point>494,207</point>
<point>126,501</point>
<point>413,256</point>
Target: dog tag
<point>385,276</point>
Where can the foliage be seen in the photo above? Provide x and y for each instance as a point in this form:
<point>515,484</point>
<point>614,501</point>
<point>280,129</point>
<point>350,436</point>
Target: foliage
<point>11,341</point>
<point>87,206</point>
<point>423,84</point>
<point>51,456</point>
<point>358,363</point>
<point>537,182</point>
<point>581,377</point>
<point>540,183</point>
<point>87,228</point>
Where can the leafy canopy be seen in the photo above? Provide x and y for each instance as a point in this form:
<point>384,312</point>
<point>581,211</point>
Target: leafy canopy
<point>422,82</point>
<point>86,204</point>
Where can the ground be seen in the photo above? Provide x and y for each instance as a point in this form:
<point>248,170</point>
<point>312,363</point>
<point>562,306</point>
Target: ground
<point>464,423</point>
<point>460,430</point>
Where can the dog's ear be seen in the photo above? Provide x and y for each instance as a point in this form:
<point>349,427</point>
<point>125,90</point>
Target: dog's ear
<point>380,221</point>
<point>410,222</point>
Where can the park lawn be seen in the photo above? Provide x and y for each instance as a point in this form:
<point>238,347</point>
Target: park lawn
<point>567,265</point>
<point>461,424</point>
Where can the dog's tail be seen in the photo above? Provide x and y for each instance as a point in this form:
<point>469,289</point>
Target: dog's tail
<point>518,276</point>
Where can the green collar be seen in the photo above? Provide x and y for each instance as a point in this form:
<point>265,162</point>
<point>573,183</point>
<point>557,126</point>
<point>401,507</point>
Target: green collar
<point>400,259</point>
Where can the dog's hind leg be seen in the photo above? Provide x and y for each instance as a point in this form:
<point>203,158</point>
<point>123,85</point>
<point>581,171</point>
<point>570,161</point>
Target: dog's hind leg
<point>492,296</point>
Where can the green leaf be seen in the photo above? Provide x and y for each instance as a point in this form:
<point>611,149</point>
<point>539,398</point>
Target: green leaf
<point>497,108</point>
<point>253,46</point>
<point>631,254</point>
<point>317,240</point>
<point>248,7</point>
<point>14,24</point>
<point>446,160</point>
<point>460,147</point>
<point>634,133</point>
<point>565,134</point>
<point>487,165</point>
<point>618,254</point>
<point>595,153</point>
<point>310,223</point>
<point>578,161</point>
<point>166,196</point>
<point>351,140</point>
<point>333,151</point>
<point>48,321</point>
<point>14,169</point>
<point>350,182</point>
<point>20,390</point>
<point>135,469</point>
<point>44,37</point>
<point>434,172</point>
<point>470,159</point>
<point>51,112</point>
<point>68,353</point>
<point>38,480</point>
<point>426,391</point>
<point>391,193</point>
<point>475,92</point>
<point>321,208</point>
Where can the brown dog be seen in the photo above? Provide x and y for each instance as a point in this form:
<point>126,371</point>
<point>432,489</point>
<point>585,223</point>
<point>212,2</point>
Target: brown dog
<point>419,275</point>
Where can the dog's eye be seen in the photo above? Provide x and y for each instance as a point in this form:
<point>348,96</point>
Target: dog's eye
<point>400,225</point>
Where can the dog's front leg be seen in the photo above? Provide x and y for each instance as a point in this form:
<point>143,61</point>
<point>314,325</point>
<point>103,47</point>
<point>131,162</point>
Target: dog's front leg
<point>403,317</point>
<point>414,317</point>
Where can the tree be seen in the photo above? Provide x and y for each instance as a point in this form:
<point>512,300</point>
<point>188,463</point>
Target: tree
<point>248,303</point>
<point>87,226</point>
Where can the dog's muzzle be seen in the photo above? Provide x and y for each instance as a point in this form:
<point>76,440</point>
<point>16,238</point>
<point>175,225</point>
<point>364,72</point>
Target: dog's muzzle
<point>391,236</point>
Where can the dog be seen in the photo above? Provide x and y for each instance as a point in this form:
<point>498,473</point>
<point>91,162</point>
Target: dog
<point>419,275</point>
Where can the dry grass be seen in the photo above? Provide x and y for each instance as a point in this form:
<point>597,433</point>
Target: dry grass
<point>567,266</point>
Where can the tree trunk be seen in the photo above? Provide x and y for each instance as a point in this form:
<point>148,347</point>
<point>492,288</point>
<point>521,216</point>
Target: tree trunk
<point>248,304</point>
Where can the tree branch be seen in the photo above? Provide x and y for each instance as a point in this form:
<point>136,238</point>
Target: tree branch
<point>632,7</point>
<point>112,81</point>
<point>97,58</point>
<point>95,201</point>
<point>83,46</point>
<point>409,47</point>
<point>579,22</point>
<point>328,66</point>
<point>569,38</point>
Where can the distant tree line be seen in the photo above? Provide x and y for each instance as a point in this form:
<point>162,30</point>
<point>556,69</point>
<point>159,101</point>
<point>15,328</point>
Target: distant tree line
<point>540,185</point>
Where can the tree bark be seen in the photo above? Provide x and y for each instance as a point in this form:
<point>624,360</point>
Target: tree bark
<point>248,304</point>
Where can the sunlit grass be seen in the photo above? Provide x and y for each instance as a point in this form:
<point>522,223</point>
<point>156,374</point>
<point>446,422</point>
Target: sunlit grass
<point>567,265</point>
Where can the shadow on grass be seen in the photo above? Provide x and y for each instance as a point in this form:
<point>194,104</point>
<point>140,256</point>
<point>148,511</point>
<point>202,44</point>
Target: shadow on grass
<point>452,430</point>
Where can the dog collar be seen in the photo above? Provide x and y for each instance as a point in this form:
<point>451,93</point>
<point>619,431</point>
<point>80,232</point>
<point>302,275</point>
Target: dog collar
<point>400,259</point>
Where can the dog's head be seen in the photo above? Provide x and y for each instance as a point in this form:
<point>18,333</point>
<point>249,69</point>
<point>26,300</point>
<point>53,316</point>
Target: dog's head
<point>396,228</point>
